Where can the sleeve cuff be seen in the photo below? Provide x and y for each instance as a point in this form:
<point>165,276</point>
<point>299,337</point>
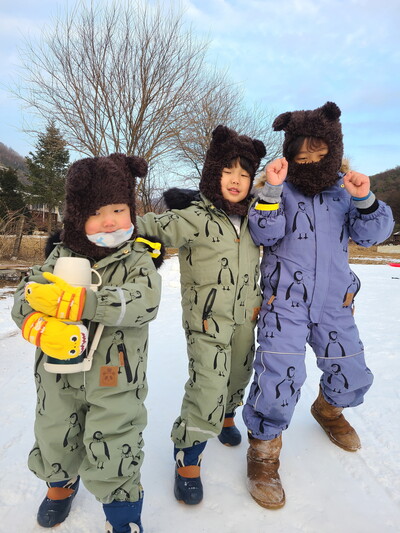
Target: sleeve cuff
<point>270,193</point>
<point>364,203</point>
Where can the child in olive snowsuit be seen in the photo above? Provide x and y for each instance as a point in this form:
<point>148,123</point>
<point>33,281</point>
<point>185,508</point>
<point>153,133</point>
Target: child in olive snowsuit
<point>219,266</point>
<point>89,424</point>
<point>305,214</point>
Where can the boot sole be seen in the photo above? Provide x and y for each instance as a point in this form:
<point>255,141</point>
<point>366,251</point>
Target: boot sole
<point>319,419</point>
<point>270,506</point>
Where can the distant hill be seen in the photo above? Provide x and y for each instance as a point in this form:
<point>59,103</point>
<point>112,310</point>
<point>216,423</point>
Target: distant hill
<point>10,158</point>
<point>386,186</point>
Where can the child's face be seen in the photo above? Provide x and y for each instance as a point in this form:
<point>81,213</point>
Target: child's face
<point>311,155</point>
<point>109,218</point>
<point>235,183</point>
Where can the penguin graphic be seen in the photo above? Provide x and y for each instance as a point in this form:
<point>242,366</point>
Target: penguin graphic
<point>225,276</point>
<point>212,228</point>
<point>302,222</point>
<point>40,394</point>
<point>193,297</point>
<point>71,438</point>
<point>218,412</point>
<point>99,449</point>
<point>188,333</point>
<point>123,361</point>
<point>140,364</point>
<point>145,273</point>
<point>57,470</point>
<point>351,291</point>
<point>237,397</point>
<point>249,358</point>
<point>297,283</point>
<point>128,461</point>
<point>272,279</point>
<point>189,243</point>
<point>243,290</point>
<point>192,372</point>
<point>286,386</point>
<point>210,325</point>
<point>337,379</point>
<point>271,322</point>
<point>221,353</point>
<point>334,348</point>
<point>166,219</point>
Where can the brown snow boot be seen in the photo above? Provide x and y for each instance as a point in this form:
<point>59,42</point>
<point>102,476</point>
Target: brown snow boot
<point>334,424</point>
<point>263,480</point>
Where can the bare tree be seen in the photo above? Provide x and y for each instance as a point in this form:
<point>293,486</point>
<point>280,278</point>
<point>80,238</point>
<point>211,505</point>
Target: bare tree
<point>116,78</point>
<point>130,77</point>
<point>222,102</point>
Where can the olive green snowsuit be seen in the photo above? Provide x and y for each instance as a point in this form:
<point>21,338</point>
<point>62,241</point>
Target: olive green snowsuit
<point>91,423</point>
<point>219,272</point>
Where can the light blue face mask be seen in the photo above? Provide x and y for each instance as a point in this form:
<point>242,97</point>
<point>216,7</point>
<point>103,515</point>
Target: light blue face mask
<point>111,240</point>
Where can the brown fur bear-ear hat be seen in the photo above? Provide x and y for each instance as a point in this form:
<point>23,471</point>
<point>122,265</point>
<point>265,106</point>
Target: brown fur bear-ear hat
<point>226,145</point>
<point>92,183</point>
<point>323,122</point>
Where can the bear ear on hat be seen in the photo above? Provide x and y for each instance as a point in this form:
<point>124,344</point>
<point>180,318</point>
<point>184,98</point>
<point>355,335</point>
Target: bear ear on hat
<point>331,111</point>
<point>282,121</point>
<point>137,165</point>
<point>80,174</point>
<point>259,147</point>
<point>221,134</point>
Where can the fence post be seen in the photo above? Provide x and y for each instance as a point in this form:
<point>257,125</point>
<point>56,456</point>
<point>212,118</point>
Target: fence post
<point>18,236</point>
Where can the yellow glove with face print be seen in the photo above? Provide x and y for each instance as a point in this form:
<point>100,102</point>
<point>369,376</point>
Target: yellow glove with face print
<point>57,338</point>
<point>58,298</point>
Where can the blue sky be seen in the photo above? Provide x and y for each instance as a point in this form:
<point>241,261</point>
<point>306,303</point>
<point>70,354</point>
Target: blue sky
<point>286,54</point>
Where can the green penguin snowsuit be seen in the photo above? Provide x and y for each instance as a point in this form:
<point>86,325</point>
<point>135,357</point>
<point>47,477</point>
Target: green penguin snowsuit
<point>219,272</point>
<point>91,423</point>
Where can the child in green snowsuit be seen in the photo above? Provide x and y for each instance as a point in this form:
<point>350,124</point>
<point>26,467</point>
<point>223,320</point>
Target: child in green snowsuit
<point>89,424</point>
<point>219,266</point>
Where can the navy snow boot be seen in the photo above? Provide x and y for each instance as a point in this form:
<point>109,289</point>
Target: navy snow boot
<point>56,506</point>
<point>230,435</point>
<point>188,487</point>
<point>123,517</point>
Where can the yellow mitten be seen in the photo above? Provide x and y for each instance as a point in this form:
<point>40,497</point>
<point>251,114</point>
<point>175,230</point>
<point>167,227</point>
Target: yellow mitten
<point>58,299</point>
<point>57,338</point>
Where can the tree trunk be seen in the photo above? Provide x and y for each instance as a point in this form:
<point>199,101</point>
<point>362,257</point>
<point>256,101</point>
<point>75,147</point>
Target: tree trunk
<point>18,236</point>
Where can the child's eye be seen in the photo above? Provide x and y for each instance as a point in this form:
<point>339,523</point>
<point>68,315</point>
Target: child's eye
<point>119,210</point>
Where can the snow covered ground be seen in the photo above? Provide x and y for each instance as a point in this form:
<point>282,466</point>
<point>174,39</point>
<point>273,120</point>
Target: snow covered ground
<point>327,489</point>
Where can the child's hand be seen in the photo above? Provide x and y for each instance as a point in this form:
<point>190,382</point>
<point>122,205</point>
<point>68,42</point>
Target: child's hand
<point>56,338</point>
<point>356,184</point>
<point>276,171</point>
<point>58,299</point>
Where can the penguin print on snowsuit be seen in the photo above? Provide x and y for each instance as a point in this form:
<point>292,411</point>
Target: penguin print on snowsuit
<point>219,266</point>
<point>84,419</point>
<point>302,223</point>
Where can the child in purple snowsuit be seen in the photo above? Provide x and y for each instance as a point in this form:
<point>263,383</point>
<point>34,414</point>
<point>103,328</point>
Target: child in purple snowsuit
<point>306,212</point>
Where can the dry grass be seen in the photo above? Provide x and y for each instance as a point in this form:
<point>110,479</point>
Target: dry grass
<point>32,252</point>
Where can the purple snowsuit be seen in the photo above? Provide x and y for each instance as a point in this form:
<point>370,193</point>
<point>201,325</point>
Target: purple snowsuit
<point>308,292</point>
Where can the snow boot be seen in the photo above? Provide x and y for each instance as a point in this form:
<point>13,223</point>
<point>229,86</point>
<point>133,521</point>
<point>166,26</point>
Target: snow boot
<point>123,517</point>
<point>263,481</point>
<point>56,506</point>
<point>334,424</point>
<point>230,435</point>
<point>188,487</point>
